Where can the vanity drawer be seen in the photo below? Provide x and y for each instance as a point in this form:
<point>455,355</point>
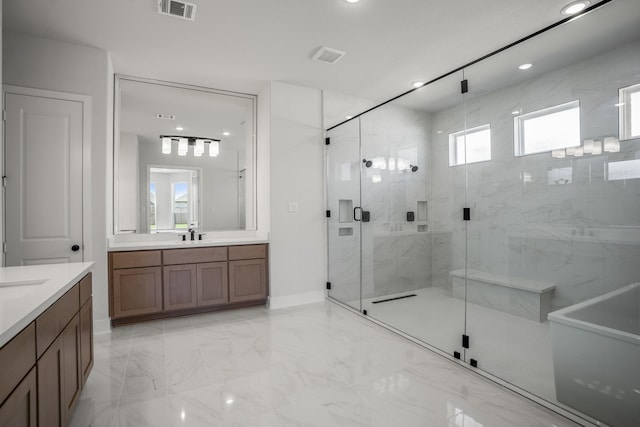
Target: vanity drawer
<point>194,255</point>
<point>247,252</point>
<point>136,259</point>
<point>50,323</point>
<point>17,357</point>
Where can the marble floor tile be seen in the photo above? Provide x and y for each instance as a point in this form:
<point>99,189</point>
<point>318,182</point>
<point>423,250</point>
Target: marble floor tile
<point>314,365</point>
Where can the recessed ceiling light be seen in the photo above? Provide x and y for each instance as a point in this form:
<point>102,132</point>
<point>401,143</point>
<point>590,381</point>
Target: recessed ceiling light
<point>525,66</point>
<point>575,7</point>
<point>417,84</point>
<point>439,131</point>
<point>352,1</point>
<point>515,112</point>
<point>179,128</point>
<point>226,133</point>
<point>349,117</point>
<point>619,104</point>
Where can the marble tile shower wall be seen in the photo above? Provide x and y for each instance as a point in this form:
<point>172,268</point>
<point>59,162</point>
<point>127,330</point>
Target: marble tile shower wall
<point>582,236</point>
<point>395,255</point>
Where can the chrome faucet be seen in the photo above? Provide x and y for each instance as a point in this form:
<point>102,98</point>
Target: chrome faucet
<point>192,231</point>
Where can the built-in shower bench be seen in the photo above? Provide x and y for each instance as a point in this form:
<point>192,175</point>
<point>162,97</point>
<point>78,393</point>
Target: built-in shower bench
<point>513,295</point>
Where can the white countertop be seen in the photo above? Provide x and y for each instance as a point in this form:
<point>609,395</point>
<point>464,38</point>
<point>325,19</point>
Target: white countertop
<point>133,242</point>
<point>22,304</point>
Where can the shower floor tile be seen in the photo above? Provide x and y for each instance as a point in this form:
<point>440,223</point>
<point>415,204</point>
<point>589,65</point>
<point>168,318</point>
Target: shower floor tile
<point>510,347</point>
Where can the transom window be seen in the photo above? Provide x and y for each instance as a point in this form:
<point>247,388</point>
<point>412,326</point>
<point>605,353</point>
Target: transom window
<point>546,130</point>
<point>470,146</point>
<point>629,104</point>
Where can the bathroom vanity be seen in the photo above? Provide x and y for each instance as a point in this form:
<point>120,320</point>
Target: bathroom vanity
<point>154,280</point>
<point>46,342</point>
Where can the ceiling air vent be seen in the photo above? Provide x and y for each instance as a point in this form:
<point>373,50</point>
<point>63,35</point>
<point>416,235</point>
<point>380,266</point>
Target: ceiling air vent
<point>179,9</point>
<point>328,55</point>
<point>164,116</point>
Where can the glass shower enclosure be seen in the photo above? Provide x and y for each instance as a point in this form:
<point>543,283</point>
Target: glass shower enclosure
<point>493,215</point>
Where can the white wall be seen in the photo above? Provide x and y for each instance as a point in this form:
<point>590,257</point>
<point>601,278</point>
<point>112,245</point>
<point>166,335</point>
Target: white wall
<point>47,64</point>
<point>297,240</point>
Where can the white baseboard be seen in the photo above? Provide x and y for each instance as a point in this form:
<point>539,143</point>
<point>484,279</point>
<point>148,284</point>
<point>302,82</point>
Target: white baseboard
<point>297,299</point>
<point>101,326</point>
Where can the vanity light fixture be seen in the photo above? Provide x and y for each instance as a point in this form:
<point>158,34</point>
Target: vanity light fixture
<point>587,146</point>
<point>525,66</point>
<point>597,147</point>
<point>198,143</point>
<point>198,150</point>
<point>574,7</point>
<point>214,148</point>
<point>166,145</point>
<point>183,146</point>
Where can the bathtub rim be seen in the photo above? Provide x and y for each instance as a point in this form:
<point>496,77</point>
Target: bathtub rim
<point>561,317</point>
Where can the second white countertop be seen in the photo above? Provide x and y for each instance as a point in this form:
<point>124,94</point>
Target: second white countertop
<point>27,291</point>
<point>132,242</point>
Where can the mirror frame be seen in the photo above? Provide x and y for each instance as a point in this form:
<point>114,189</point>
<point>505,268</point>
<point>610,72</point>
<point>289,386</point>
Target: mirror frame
<point>251,168</point>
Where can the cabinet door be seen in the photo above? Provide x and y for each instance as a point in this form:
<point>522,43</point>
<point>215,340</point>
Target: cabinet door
<point>247,280</point>
<point>86,339</point>
<point>50,386</point>
<point>137,291</point>
<point>212,284</point>
<point>179,286</point>
<point>20,408</point>
<point>59,377</point>
<point>72,377</point>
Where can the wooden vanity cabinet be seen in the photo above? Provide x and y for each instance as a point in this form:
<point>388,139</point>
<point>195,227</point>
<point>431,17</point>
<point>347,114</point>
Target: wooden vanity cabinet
<point>212,283</point>
<point>136,283</point>
<point>197,283</point>
<point>20,408</point>
<point>45,366</point>
<point>247,273</point>
<point>18,385</point>
<point>154,284</point>
<point>179,286</point>
<point>59,377</point>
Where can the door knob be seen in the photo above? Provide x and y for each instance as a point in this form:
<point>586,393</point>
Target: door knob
<point>75,248</point>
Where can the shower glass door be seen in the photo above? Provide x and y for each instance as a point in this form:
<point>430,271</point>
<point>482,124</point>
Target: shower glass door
<point>345,213</point>
<point>415,198</point>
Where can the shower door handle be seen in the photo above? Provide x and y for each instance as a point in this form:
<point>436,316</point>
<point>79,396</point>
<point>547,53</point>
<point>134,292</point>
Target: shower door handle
<point>355,218</point>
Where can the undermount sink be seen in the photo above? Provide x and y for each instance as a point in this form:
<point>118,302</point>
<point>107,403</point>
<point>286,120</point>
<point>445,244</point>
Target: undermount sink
<point>6,284</point>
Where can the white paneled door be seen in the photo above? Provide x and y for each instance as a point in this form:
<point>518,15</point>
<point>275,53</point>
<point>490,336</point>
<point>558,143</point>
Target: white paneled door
<point>43,169</point>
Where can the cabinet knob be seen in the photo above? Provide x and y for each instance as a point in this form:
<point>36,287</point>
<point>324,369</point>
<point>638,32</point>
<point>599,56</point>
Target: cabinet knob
<point>75,248</point>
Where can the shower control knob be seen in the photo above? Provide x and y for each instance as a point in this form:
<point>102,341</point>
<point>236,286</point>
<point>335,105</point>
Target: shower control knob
<point>75,248</point>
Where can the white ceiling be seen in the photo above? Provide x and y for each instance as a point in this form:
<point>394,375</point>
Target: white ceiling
<point>241,44</point>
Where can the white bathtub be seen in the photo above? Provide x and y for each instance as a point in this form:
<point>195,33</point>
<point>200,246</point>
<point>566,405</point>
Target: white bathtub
<point>596,356</point>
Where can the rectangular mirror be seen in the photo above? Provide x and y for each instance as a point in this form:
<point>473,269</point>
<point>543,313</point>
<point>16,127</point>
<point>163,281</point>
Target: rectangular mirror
<point>184,157</point>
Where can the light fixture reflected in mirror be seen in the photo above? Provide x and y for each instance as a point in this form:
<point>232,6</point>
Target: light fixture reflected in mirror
<point>166,145</point>
<point>184,142</point>
<point>198,150</point>
<point>214,148</point>
<point>183,146</point>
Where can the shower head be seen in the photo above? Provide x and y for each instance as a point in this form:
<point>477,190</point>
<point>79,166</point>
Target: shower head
<point>413,168</point>
<point>367,163</point>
